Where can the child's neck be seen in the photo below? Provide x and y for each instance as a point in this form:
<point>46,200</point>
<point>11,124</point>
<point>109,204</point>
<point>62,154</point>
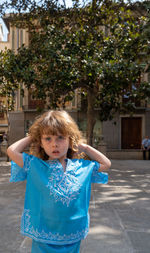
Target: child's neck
<point>62,161</point>
<point>63,164</point>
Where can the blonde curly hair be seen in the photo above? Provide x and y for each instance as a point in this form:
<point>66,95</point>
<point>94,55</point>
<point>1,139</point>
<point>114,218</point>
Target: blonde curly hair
<point>54,122</point>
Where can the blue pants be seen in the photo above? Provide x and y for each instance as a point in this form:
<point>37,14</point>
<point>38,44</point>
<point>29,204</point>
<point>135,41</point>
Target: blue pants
<point>38,247</point>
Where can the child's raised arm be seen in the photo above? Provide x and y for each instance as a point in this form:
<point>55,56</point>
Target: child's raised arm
<point>15,150</point>
<point>96,155</point>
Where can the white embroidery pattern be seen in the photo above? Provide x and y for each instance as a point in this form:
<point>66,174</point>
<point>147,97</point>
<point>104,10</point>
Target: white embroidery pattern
<point>63,186</point>
<point>28,160</point>
<point>18,173</point>
<point>42,236</point>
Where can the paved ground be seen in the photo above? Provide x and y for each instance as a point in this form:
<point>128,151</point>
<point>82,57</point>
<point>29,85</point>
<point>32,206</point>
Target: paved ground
<point>120,211</point>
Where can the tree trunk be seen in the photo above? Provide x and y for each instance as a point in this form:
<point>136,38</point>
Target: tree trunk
<point>91,120</point>
<point>94,4</point>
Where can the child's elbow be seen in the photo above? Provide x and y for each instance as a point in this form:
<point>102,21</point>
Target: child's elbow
<point>107,165</point>
<point>9,152</point>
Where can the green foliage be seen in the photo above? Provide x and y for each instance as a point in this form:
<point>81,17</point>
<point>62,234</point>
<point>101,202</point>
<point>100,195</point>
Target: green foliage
<point>8,84</point>
<point>102,48</point>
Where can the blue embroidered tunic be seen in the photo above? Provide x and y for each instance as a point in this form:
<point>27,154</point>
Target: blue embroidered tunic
<point>56,202</point>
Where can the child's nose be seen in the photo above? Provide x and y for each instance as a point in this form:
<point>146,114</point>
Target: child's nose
<point>54,143</point>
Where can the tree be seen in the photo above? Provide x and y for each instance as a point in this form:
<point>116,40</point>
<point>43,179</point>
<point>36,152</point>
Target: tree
<point>8,84</point>
<point>100,48</point>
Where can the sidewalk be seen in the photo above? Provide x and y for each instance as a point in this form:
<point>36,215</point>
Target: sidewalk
<point>120,211</point>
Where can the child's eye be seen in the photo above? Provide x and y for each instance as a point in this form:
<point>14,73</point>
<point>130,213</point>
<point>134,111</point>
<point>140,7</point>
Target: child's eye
<point>60,137</point>
<point>48,138</point>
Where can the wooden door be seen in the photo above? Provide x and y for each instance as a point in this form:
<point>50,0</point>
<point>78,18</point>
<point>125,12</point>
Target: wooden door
<point>131,132</point>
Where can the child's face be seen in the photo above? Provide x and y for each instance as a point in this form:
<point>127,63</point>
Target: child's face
<point>55,146</point>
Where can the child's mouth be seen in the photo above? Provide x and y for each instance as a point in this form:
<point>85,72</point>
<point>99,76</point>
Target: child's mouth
<point>55,152</point>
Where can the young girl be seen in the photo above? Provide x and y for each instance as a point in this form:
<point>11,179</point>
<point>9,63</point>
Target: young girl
<point>58,186</point>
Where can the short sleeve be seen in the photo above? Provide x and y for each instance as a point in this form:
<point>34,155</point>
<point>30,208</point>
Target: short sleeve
<point>18,173</point>
<point>99,177</point>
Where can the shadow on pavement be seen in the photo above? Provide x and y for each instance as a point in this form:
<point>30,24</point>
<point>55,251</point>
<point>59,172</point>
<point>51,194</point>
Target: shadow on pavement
<point>120,211</point>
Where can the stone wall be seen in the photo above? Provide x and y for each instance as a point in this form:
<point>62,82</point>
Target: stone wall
<point>16,126</point>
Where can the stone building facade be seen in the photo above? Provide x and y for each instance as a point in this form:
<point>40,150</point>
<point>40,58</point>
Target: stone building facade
<point>122,136</point>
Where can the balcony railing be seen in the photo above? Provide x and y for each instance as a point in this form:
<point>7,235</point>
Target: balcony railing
<point>34,105</point>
